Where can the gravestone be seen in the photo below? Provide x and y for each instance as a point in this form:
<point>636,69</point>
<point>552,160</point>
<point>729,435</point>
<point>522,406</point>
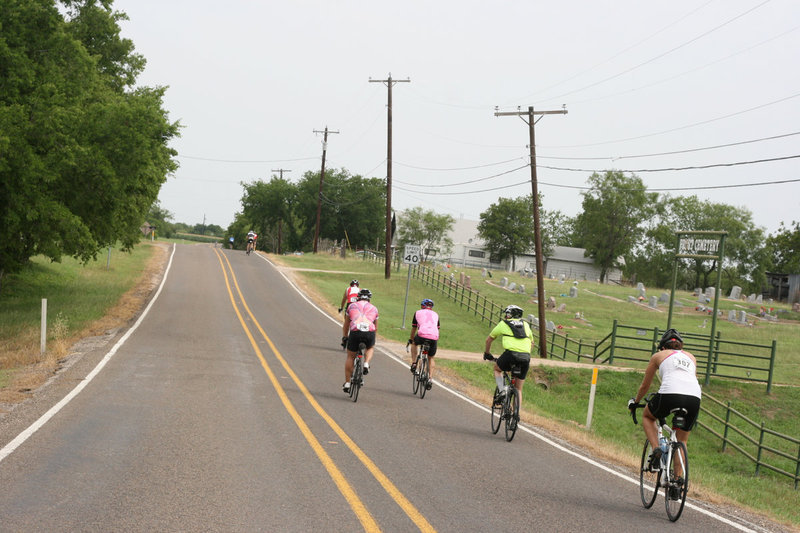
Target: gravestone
<point>551,303</point>
<point>550,325</point>
<point>731,316</point>
<point>796,307</point>
<point>653,302</point>
<point>710,293</point>
<point>664,298</point>
<point>736,292</point>
<point>534,321</point>
<point>759,299</point>
<point>468,282</point>
<point>504,282</point>
<point>531,273</point>
<point>483,273</point>
<point>698,290</point>
<point>512,286</point>
<point>752,298</point>
<point>561,308</point>
<point>743,317</point>
<point>461,278</point>
<point>640,288</point>
<point>573,292</point>
<point>701,297</point>
<point>521,289</point>
<point>561,279</point>
<point>632,299</point>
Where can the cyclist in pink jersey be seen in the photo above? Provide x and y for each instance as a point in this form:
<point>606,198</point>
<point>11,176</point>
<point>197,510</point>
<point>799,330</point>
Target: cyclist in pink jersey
<point>350,296</point>
<point>679,388</point>
<point>424,327</point>
<point>361,320</point>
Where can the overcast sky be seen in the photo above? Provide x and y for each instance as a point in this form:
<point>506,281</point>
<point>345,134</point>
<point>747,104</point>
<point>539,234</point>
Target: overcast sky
<point>647,86</point>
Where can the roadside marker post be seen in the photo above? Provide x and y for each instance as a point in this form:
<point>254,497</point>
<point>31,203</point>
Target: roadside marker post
<point>591,399</point>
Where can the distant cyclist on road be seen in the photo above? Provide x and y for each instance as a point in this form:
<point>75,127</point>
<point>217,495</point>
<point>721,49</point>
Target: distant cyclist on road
<point>424,327</point>
<point>361,320</point>
<point>350,296</point>
<point>679,388</point>
<point>517,346</point>
<point>251,241</point>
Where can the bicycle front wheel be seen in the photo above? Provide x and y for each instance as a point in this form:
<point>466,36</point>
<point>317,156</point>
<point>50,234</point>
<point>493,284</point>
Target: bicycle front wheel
<point>497,412</point>
<point>415,376</point>
<point>648,478</point>
<point>678,486</point>
<point>355,382</point>
<point>423,377</point>
<point>512,413</point>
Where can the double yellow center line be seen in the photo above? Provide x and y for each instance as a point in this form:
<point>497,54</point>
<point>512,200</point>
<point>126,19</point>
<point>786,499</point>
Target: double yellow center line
<point>358,507</point>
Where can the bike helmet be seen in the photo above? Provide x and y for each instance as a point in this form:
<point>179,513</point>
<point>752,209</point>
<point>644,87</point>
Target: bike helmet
<point>512,311</point>
<point>669,335</point>
<point>354,283</point>
<point>427,303</point>
<point>364,294</point>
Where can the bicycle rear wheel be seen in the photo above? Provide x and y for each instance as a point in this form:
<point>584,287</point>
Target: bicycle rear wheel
<point>497,412</point>
<point>355,381</point>
<point>423,377</point>
<point>648,479</point>
<point>512,413</point>
<point>675,492</point>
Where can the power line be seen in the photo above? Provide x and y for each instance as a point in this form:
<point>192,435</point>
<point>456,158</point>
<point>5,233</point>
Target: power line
<point>673,169</point>
<point>459,168</point>
<point>467,182</point>
<point>245,161</point>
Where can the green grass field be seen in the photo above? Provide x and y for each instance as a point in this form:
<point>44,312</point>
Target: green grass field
<point>728,475</point>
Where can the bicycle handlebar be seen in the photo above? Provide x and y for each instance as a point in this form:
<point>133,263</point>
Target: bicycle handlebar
<point>633,409</point>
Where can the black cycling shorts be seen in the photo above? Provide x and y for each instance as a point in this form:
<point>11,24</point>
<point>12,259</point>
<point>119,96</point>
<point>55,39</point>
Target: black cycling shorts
<point>662,404</point>
<point>419,341</point>
<point>356,337</point>
<point>508,358</point>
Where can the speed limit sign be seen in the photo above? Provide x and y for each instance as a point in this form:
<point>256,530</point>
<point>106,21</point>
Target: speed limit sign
<point>411,254</point>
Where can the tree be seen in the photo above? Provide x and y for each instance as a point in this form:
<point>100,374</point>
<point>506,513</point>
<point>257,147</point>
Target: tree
<point>426,228</point>
<point>352,208</point>
<point>269,206</point>
<point>613,211</point>
<point>784,249</point>
<point>507,228</point>
<point>161,219</point>
<point>82,153</point>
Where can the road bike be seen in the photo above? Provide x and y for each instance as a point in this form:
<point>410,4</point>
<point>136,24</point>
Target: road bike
<point>421,370</point>
<point>674,459</point>
<point>250,246</point>
<point>505,405</point>
<point>357,377</point>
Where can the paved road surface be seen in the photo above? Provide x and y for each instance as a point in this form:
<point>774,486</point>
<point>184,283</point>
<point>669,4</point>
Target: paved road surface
<point>223,411</point>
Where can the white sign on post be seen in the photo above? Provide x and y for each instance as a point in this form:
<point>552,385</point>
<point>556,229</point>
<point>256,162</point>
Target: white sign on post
<point>411,254</point>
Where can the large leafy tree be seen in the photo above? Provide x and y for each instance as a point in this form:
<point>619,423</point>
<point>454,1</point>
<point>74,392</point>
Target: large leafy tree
<point>82,152</point>
<point>507,228</point>
<point>426,228</point>
<point>614,209</point>
<point>269,206</point>
<point>784,248</point>
<point>352,208</point>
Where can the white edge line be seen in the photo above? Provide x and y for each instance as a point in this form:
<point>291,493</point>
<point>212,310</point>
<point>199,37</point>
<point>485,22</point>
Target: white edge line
<point>539,436</point>
<point>33,428</point>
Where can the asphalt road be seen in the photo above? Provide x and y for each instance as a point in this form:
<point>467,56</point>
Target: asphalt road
<point>222,410</point>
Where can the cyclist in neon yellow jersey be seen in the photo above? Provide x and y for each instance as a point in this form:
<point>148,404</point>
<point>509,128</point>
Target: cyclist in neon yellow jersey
<point>517,345</point>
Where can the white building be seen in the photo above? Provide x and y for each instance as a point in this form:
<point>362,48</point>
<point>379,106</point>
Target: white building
<point>469,251</point>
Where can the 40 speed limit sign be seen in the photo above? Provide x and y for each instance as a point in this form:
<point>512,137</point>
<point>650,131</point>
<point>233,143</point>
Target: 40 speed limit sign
<point>411,254</point>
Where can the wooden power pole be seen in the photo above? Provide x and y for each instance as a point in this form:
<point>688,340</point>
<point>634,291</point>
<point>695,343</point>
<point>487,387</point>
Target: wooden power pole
<point>389,83</point>
<point>536,226</point>
<point>321,179</point>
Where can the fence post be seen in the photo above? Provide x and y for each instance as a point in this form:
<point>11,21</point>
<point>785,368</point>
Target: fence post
<point>769,377</point>
<point>760,443</point>
<point>797,469</point>
<point>725,431</point>
<point>613,343</point>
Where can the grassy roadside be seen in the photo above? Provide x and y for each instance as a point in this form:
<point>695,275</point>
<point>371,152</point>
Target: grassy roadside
<point>82,301</point>
<point>725,478</point>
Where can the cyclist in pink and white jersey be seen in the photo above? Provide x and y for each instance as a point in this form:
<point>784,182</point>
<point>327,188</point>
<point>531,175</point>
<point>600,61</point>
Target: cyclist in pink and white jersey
<point>424,327</point>
<point>361,320</point>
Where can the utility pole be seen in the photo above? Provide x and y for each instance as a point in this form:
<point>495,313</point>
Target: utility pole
<point>321,178</point>
<point>536,226</point>
<point>389,82</point>
<point>280,220</point>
